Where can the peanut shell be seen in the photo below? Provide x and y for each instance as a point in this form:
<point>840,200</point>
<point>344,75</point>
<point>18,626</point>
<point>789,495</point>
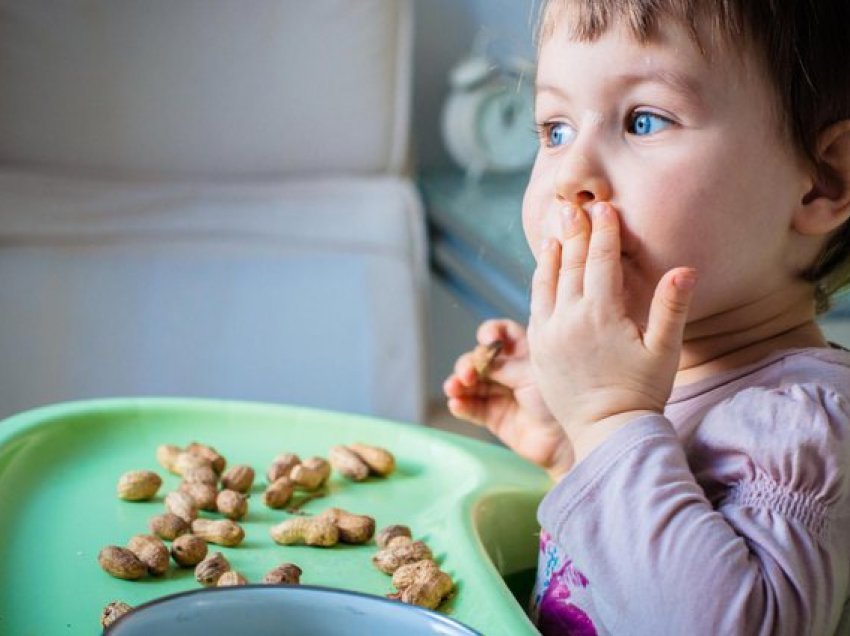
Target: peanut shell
<point>231,578</point>
<point>182,505</point>
<point>138,485</point>
<point>208,571</point>
<point>239,478</point>
<point>216,460</point>
<point>168,526</point>
<point>279,492</point>
<point>151,551</point>
<point>346,462</point>
<point>219,531</point>
<point>379,460</point>
<point>288,573</point>
<point>113,611</point>
<point>188,550</point>
<point>121,563</point>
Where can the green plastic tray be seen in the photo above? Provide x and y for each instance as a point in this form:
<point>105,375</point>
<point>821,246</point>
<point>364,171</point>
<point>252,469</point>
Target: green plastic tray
<point>473,503</point>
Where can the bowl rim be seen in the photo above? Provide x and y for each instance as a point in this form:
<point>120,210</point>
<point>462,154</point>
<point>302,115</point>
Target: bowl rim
<point>239,589</point>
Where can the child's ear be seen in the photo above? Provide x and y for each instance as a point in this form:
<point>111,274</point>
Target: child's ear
<point>826,205</point>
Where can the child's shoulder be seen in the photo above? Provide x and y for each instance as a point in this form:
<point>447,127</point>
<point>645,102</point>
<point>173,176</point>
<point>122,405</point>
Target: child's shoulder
<point>811,375</point>
<point>787,420</point>
<point>818,369</point>
<point>788,389</point>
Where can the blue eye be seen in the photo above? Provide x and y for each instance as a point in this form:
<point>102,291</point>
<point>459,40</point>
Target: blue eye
<point>645,123</point>
<point>556,133</point>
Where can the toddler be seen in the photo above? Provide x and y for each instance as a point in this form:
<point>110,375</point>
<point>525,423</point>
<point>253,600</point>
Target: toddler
<point>688,214</point>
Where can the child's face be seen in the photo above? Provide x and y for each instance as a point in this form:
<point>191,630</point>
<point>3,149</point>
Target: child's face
<point>687,149</point>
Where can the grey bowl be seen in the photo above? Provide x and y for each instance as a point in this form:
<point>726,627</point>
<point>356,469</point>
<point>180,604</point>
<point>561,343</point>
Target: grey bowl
<point>281,610</point>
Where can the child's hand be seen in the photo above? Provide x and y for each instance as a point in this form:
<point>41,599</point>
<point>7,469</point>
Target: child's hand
<point>593,365</point>
<point>507,401</point>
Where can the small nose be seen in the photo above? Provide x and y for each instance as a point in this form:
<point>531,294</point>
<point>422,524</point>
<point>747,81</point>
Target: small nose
<point>581,180</point>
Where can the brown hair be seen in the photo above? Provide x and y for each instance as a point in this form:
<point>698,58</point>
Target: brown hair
<point>802,44</point>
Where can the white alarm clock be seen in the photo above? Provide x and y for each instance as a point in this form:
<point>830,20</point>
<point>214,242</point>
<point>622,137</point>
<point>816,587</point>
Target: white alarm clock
<point>488,118</point>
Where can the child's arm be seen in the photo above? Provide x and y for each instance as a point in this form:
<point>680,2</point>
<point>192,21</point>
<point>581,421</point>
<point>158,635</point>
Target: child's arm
<point>506,401</point>
<point>762,550</point>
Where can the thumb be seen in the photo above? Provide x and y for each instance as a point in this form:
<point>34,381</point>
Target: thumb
<point>668,312</point>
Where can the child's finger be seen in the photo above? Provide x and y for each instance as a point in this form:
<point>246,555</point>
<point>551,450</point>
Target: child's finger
<point>508,331</point>
<point>469,410</point>
<point>603,276</point>
<point>575,229</point>
<point>465,370</point>
<point>544,283</point>
<point>668,312</point>
<point>454,388</point>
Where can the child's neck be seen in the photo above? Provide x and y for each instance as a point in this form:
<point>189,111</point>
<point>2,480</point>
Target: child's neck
<point>742,336</point>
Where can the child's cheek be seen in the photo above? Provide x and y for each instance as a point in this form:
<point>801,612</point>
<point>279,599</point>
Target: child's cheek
<point>540,221</point>
<point>550,226</point>
<point>539,227</point>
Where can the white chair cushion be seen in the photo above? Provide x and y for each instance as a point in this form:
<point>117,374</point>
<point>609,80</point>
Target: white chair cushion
<point>205,87</point>
<point>306,292</point>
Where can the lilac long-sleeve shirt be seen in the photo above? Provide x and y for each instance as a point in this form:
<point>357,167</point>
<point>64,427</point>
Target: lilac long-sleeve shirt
<point>728,515</point>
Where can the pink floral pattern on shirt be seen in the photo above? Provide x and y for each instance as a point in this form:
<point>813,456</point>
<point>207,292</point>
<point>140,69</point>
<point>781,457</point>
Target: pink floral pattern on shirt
<point>553,606</point>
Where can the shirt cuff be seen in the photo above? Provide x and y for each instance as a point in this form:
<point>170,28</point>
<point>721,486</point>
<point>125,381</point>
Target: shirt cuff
<point>581,481</point>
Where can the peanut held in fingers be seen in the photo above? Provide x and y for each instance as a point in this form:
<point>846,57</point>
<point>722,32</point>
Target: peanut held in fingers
<point>483,357</point>
<point>138,485</point>
<point>121,563</point>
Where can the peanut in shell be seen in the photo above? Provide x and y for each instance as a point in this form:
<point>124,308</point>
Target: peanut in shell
<point>138,485</point>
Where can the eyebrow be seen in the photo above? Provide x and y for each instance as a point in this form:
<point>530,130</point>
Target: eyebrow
<point>677,82</point>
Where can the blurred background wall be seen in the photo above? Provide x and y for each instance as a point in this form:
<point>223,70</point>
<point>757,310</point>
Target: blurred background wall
<point>445,33</point>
